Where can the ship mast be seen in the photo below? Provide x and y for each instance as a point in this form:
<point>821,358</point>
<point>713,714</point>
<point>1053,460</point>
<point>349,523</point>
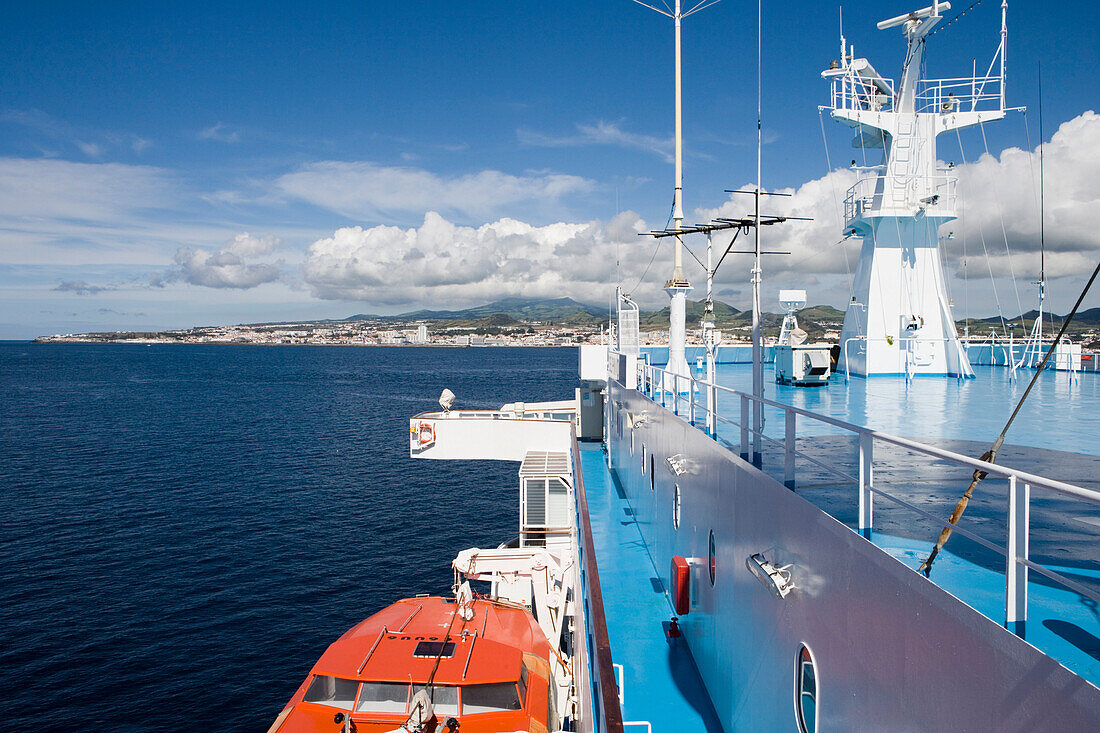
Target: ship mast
<point>677,286</point>
<point>904,323</point>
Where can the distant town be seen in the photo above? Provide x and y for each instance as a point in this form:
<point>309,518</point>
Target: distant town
<point>531,322</point>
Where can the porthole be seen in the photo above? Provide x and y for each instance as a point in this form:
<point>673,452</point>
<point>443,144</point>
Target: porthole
<point>710,557</point>
<point>643,458</point>
<point>631,441</point>
<point>805,704</point>
<point>676,507</point>
<point>652,477</point>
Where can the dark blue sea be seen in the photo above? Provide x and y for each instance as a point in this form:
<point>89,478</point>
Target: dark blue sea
<point>184,529</point>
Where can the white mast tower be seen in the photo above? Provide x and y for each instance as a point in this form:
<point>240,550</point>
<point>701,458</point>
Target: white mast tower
<point>677,286</point>
<point>899,320</point>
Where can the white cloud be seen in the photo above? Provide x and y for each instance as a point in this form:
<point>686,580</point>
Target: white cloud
<point>601,133</point>
<point>92,150</point>
<point>992,190</point>
<point>221,133</point>
<point>32,189</point>
<point>246,245</point>
<point>226,268</point>
<point>222,269</point>
<point>81,288</point>
<point>368,191</point>
<point>445,263</point>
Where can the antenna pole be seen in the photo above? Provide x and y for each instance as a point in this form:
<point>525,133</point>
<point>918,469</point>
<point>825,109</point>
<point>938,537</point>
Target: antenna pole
<point>677,286</point>
<point>1042,212</point>
<point>678,195</point>
<point>1004,48</point>
<point>757,342</point>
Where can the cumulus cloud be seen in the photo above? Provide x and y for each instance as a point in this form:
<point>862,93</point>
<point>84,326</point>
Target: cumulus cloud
<point>226,268</point>
<point>1005,189</point>
<point>366,190</point>
<point>80,287</point>
<point>441,261</point>
<point>246,245</point>
<point>992,190</point>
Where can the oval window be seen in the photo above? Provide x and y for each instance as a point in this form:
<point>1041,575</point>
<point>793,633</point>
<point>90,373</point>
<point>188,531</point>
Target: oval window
<point>710,557</point>
<point>676,507</point>
<point>652,480</point>
<point>643,459</point>
<point>805,704</point>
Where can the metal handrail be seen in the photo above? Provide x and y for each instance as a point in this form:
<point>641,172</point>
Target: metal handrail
<point>1015,551</point>
<point>610,710</point>
<point>994,468</point>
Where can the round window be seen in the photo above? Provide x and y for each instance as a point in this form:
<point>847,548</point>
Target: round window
<point>710,556</point>
<point>676,507</point>
<point>652,480</point>
<point>805,704</point>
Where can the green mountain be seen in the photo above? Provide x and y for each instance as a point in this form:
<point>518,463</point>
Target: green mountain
<point>558,310</point>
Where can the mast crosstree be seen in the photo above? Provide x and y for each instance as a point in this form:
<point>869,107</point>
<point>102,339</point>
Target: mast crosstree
<point>899,320</point>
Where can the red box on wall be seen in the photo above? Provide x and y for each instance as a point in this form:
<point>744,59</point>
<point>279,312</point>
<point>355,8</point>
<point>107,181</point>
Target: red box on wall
<point>680,585</point>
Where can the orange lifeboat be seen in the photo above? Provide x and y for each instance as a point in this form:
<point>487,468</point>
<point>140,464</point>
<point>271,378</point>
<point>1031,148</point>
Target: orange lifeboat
<point>428,665</point>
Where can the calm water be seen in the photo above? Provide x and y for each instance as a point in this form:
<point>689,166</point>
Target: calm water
<point>184,529</point>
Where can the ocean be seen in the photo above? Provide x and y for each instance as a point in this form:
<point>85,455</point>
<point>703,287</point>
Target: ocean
<point>184,529</point>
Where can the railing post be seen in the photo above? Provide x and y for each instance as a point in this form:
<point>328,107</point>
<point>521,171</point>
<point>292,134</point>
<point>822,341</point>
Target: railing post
<point>712,410</point>
<point>788,444</point>
<point>866,483</point>
<point>675,393</point>
<point>691,399</point>
<point>1019,496</point>
<point>745,427</point>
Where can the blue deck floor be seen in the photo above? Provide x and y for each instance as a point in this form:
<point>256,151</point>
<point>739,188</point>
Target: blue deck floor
<point>660,682</point>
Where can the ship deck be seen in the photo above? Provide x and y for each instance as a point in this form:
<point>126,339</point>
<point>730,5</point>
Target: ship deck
<point>660,683</point>
<point>1053,436</point>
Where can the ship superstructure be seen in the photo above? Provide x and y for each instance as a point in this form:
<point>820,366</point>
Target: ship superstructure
<point>899,320</point>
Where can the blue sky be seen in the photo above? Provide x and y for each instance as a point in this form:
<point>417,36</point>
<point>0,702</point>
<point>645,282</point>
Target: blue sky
<point>169,165</point>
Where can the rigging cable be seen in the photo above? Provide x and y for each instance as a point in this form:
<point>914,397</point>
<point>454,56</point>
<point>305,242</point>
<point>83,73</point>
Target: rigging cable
<point>985,250</point>
<point>990,456</point>
<point>1004,232</point>
<point>836,198</point>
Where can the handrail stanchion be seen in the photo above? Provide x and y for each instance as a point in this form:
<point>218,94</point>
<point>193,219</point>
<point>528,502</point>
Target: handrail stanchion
<point>866,483</point>
<point>788,445</point>
<point>675,393</point>
<point>691,399</point>
<point>745,427</point>
<point>1016,572</point>
<point>712,411</point>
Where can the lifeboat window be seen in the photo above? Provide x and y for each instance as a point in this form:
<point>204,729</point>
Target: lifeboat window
<point>806,681</point>
<point>383,697</point>
<point>444,698</point>
<point>434,649</point>
<point>332,691</point>
<point>490,698</point>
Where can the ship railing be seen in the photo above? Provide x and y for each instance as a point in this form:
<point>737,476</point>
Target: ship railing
<point>593,669</point>
<point>963,94</point>
<point>875,191</point>
<point>850,91</point>
<point>677,393</point>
